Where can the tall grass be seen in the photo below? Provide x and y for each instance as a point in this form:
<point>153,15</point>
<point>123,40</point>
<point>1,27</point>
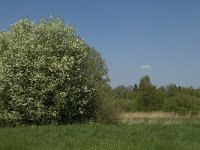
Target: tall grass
<point>103,137</point>
<point>156,117</point>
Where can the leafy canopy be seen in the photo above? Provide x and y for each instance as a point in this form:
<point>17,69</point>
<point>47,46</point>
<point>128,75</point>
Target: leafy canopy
<point>48,74</point>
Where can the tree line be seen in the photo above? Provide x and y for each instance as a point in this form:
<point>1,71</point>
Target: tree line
<point>147,97</point>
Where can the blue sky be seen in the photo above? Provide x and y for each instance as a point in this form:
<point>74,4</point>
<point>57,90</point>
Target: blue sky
<point>159,38</point>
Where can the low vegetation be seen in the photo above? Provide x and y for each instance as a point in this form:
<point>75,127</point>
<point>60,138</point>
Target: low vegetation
<point>133,118</point>
<point>147,98</point>
<point>141,136</point>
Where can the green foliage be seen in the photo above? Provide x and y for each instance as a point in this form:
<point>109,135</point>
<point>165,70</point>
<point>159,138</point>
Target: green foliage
<point>126,105</point>
<point>148,98</point>
<point>123,92</point>
<point>171,90</point>
<point>153,136</point>
<point>182,104</point>
<point>49,74</point>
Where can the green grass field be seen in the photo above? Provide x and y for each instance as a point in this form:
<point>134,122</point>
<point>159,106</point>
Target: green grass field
<point>184,135</point>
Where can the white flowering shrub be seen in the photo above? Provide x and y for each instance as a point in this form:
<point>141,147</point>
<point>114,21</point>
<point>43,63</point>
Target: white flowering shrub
<point>48,74</point>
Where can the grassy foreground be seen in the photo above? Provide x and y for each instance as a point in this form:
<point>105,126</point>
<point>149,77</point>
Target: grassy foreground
<point>157,136</point>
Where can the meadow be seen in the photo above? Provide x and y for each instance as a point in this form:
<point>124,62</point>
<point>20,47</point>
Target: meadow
<point>166,132</point>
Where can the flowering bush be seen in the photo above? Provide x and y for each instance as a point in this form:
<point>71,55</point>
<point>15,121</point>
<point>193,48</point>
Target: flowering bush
<point>48,74</point>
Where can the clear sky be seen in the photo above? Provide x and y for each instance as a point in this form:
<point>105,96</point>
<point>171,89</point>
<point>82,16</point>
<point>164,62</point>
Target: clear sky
<point>159,38</point>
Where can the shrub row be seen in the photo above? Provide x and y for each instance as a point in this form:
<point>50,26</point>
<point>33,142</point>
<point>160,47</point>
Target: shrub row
<point>146,97</point>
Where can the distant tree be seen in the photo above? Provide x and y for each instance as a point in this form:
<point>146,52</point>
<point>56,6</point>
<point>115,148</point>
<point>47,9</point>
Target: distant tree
<point>188,91</point>
<point>122,92</point>
<point>182,104</point>
<point>162,92</point>
<point>171,90</point>
<point>135,87</point>
<point>147,98</point>
<point>197,92</point>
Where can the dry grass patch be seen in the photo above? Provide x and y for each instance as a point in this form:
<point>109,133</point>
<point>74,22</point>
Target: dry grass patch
<point>154,117</point>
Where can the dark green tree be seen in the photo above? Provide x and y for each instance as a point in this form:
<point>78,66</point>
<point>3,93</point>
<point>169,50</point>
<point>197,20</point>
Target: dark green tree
<point>148,99</point>
<point>171,90</point>
<point>124,92</point>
